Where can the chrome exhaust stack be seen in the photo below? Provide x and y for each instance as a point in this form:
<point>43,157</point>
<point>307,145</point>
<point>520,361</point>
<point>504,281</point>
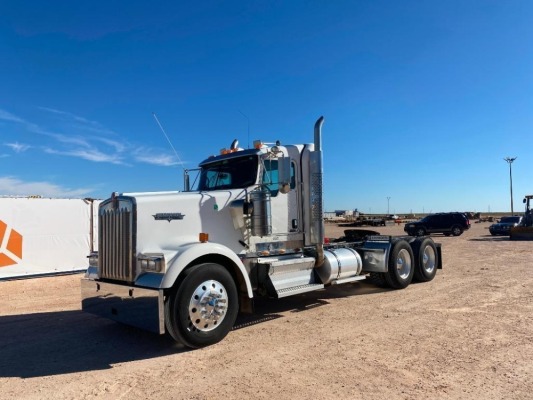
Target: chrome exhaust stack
<point>316,195</point>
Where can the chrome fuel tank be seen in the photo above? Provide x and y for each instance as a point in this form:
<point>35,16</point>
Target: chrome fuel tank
<point>339,264</point>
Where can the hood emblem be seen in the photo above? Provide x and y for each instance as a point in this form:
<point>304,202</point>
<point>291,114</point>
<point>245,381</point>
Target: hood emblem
<point>168,216</point>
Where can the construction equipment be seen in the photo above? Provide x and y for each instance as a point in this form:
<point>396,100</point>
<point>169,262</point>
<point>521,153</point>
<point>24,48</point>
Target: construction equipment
<point>524,231</point>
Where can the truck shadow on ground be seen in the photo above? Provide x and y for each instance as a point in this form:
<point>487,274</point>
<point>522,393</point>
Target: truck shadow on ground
<point>54,343</point>
<point>266,309</point>
<point>490,238</point>
<point>45,344</point>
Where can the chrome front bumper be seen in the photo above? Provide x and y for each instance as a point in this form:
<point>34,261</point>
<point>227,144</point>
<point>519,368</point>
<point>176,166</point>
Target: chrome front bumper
<point>130,305</point>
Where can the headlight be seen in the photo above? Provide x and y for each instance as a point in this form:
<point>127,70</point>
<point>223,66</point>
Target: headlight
<point>151,262</point>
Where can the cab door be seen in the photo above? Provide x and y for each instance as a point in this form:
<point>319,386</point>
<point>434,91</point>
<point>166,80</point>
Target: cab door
<point>285,209</point>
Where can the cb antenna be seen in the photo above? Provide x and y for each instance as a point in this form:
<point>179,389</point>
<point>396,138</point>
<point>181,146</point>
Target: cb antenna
<point>169,142</point>
<point>247,119</point>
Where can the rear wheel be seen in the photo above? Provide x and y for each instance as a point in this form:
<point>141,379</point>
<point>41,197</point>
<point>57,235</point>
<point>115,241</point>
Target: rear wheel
<point>456,231</point>
<point>378,279</point>
<point>426,257</point>
<point>401,267</point>
<point>204,307</point>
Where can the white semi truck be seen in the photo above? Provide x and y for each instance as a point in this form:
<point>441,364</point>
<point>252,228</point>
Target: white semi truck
<point>188,262</point>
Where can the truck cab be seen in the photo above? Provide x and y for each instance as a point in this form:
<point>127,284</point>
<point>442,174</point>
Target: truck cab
<point>249,224</point>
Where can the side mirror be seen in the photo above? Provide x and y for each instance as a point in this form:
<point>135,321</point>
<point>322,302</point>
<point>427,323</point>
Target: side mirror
<point>284,175</point>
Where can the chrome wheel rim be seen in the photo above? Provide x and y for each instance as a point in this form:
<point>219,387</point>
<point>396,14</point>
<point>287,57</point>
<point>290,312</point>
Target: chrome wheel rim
<point>429,259</point>
<point>208,306</point>
<point>403,263</point>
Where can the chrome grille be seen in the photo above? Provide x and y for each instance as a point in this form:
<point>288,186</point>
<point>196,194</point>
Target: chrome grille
<point>116,239</point>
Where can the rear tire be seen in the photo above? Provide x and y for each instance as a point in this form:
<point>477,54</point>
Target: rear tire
<point>203,308</point>
<point>378,279</point>
<point>401,268</point>
<point>426,256</point>
<point>456,231</point>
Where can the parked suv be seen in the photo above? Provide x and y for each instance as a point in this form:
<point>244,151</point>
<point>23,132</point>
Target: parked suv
<point>504,226</point>
<point>453,223</point>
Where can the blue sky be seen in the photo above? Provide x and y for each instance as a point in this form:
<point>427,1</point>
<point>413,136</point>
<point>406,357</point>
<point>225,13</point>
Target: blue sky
<point>422,99</point>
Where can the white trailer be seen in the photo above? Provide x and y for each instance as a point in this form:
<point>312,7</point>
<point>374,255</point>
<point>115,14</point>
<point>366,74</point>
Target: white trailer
<point>188,262</point>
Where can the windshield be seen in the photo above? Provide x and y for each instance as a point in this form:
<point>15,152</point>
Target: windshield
<point>510,220</point>
<point>233,173</point>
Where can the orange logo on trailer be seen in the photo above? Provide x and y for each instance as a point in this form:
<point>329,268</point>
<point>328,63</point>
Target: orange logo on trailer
<point>10,245</point>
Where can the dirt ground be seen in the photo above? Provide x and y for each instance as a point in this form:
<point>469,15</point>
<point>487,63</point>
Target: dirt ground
<point>468,334</point>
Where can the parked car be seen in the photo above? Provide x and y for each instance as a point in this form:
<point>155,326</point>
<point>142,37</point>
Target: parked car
<point>504,226</point>
<point>452,223</point>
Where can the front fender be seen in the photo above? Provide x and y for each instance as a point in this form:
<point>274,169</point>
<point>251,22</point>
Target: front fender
<point>187,254</point>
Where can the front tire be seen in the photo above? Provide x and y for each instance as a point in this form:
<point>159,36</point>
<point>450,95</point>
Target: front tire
<point>401,266</point>
<point>204,307</point>
<point>420,232</point>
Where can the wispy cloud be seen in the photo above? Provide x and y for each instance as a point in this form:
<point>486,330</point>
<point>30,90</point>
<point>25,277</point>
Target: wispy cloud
<point>7,116</point>
<point>4,155</point>
<point>100,145</point>
<point>151,157</point>
<point>119,146</point>
<point>82,123</point>
<point>18,147</point>
<point>88,154</point>
<point>11,186</point>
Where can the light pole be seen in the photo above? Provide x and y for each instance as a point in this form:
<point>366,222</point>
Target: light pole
<point>510,161</point>
<point>388,199</point>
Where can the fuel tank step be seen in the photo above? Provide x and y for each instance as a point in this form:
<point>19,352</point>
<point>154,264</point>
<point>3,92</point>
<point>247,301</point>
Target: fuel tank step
<point>291,275</point>
<point>299,289</point>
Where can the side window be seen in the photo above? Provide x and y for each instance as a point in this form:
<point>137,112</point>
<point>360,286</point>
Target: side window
<point>293,175</point>
<point>270,176</point>
<point>433,219</point>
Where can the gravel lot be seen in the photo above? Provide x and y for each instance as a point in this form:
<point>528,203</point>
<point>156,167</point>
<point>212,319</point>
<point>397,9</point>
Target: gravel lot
<point>468,334</point>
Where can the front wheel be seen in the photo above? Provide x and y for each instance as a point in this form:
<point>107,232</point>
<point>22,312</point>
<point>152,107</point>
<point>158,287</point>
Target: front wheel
<point>401,267</point>
<point>204,307</point>
<point>420,232</point>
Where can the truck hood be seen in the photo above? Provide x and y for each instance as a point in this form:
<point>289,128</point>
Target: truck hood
<point>167,220</point>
